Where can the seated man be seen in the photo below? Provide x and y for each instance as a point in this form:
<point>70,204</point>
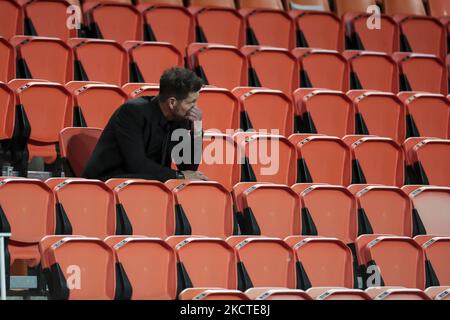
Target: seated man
<point>137,142</point>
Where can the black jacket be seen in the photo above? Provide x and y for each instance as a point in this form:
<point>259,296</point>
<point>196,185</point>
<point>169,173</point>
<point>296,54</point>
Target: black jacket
<point>136,143</point>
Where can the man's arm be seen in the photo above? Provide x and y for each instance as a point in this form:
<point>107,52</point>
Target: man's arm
<point>129,134</point>
<point>196,143</point>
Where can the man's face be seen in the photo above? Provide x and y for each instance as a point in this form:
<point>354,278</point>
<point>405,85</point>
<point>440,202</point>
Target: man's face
<point>181,108</point>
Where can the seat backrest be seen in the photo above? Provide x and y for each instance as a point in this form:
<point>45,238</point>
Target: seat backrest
<point>428,115</point>
<point>265,109</point>
<point>330,211</point>
<point>322,69</point>
<point>385,210</point>
<point>207,208</point>
<point>376,160</point>
<point>7,105</point>
<point>396,293</point>
<point>12,19</point>
<point>322,159</point>
<point>325,112</point>
<point>146,261</point>
<point>344,6</point>
<point>43,58</point>
<point>379,113</point>
<point>437,252</point>
<point>100,60</point>
<point>87,207</point>
<point>163,56</point>
<point>213,3</point>
<point>211,294</point>
<point>95,271</point>
<point>263,262</point>
<point>432,205</point>
<point>327,293</point>
<point>77,145</point>
<point>270,210</point>
<point>218,65</point>
<point>322,262</point>
<point>28,206</point>
<point>276,294</point>
<point>317,5</point>
<point>261,4</point>
<point>96,103</point>
<point>149,206</point>
<point>439,8</point>
<point>272,68</point>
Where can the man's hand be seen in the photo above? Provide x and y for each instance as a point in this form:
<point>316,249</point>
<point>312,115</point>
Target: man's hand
<point>194,175</point>
<point>194,114</point>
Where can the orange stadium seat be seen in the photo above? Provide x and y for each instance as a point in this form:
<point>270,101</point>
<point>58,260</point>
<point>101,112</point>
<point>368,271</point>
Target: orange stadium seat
<point>11,17</point>
<point>372,71</point>
<point>376,160</point>
<point>77,145</point>
<point>7,56</point>
<point>322,159</point>
<point>428,114</point>
<point>267,209</point>
<point>148,208</point>
<point>383,210</point>
<point>438,293</point>
<point>327,293</point>
<point>379,113</point>
<point>322,69</point>
<point>136,90</point>
<point>148,60</point>
<point>420,72</point>
<point>328,211</point>
<point>212,217</point>
<point>168,23</point>
<point>263,262</point>
<point>85,207</point>
<point>265,109</point>
<point>324,112</point>
<point>437,264</point>
<point>94,104</point>
<point>321,262</point>
<point>99,60</point>
<point>212,294</point>
<point>276,294</point>
<point>358,36</point>
<point>431,207</point>
<point>439,8</point>
<point>7,118</point>
<point>272,68</point>
<point>145,268</point>
<point>218,65</point>
<point>396,293</point>
<point>43,58</point>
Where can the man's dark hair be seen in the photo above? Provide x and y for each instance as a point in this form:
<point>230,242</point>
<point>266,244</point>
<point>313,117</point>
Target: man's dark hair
<point>179,83</point>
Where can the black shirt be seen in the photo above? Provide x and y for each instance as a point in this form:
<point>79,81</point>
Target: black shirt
<point>136,143</point>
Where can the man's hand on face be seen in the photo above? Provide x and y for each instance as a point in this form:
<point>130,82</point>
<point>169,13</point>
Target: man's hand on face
<point>194,175</point>
<point>194,114</point>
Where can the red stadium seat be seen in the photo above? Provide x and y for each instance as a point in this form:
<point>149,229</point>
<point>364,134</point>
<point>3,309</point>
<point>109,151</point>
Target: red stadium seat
<point>99,60</point>
<point>383,210</point>
<point>420,72</point>
<point>136,90</point>
<point>322,69</point>
<point>48,18</point>
<point>145,69</point>
<point>218,65</point>
<point>376,160</point>
<point>321,262</point>
<point>7,117</point>
<point>114,21</point>
<point>144,261</point>
<point>94,104</point>
<point>372,71</point>
<point>267,209</point>
<point>43,58</point>
<point>86,207</point>
<point>322,159</point>
<point>325,293</point>
<point>439,8</point>
<point>325,112</point>
<point>148,207</point>
<point>379,113</point>
<point>330,211</point>
<point>276,294</point>
<point>431,207</point>
<point>438,293</point>
<point>220,159</point>
<point>396,293</point>
<point>77,145</point>
<point>211,294</point>
<point>272,68</point>
<point>355,22</point>
<point>263,262</point>
<point>264,109</point>
<point>168,23</point>
<point>11,17</point>
<point>428,115</point>
<point>437,253</point>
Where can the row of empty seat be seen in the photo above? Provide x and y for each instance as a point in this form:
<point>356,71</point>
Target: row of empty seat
<point>220,65</point>
<point>406,28</point>
<point>150,268</point>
